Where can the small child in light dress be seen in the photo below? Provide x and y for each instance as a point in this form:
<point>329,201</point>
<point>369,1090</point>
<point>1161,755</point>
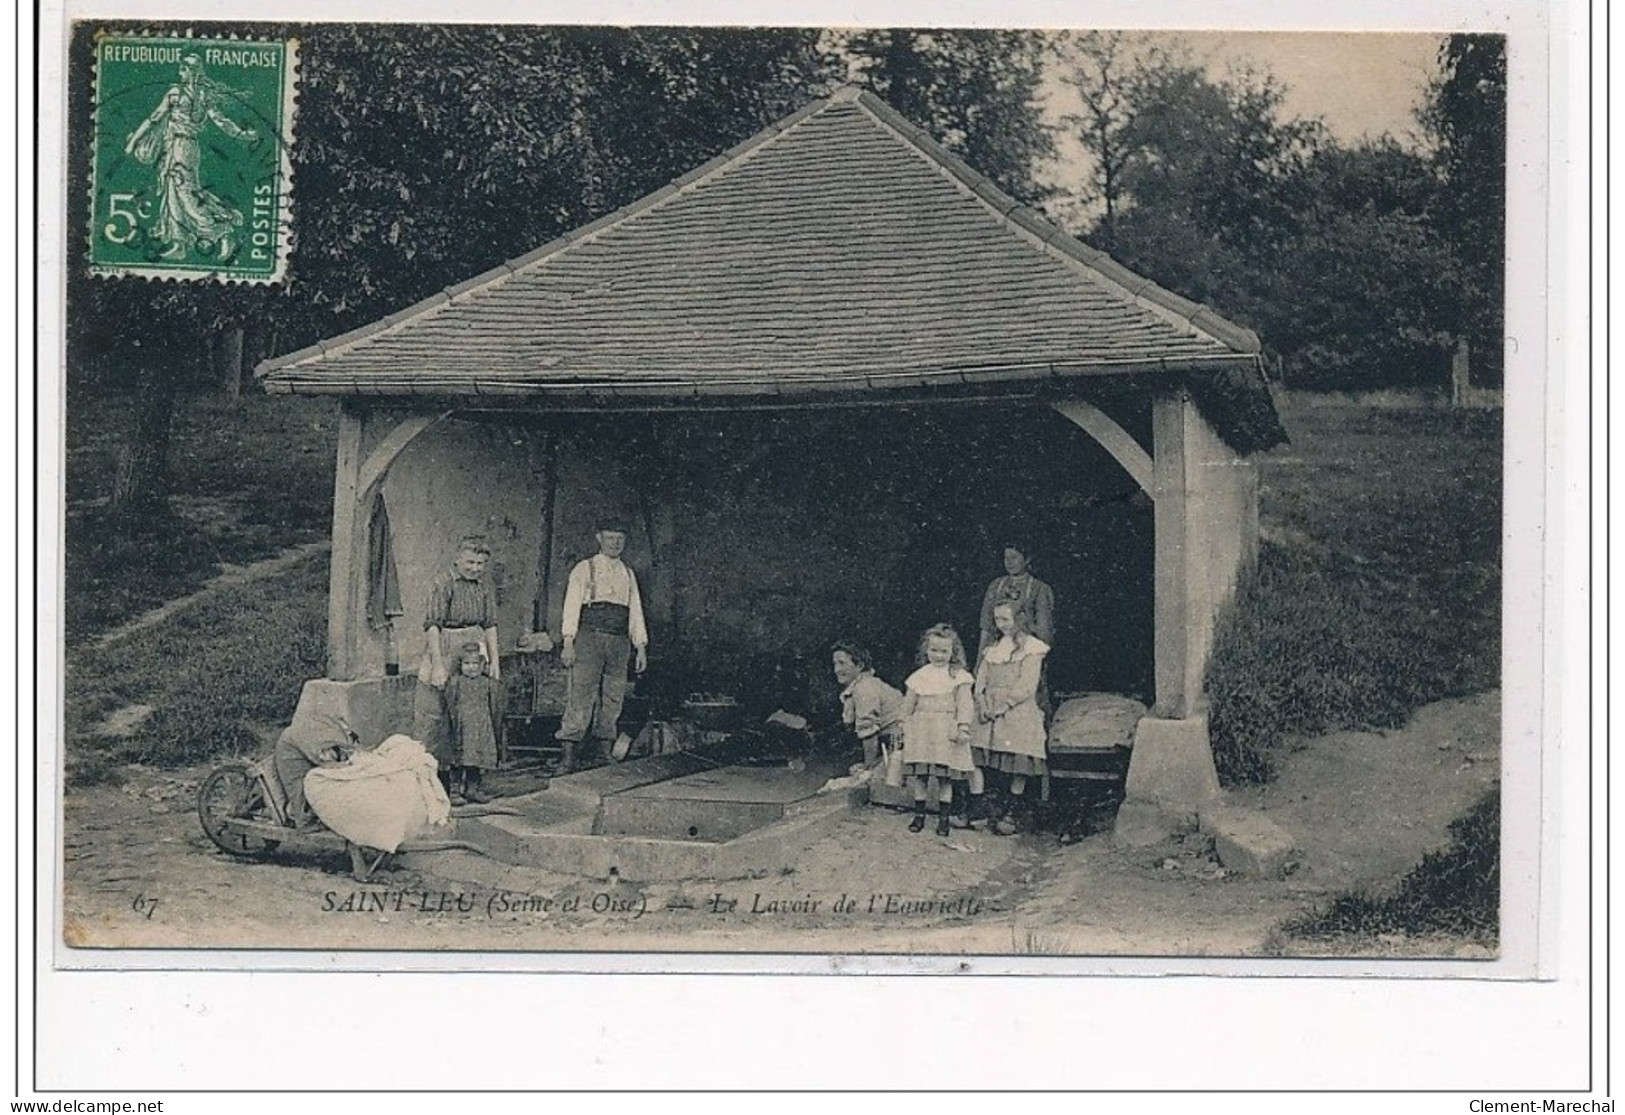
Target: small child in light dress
<point>472,716</point>
<point>938,712</point>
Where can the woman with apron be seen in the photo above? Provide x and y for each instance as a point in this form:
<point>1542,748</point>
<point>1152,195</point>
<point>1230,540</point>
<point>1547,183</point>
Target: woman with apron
<point>461,609</point>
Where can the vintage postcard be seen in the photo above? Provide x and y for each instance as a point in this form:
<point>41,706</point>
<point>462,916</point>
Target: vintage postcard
<point>1032,496</point>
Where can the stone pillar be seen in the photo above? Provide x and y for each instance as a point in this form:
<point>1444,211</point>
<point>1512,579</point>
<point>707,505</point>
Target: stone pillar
<point>1206,533</point>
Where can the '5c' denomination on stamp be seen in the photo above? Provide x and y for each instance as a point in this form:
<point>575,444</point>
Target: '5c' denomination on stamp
<point>191,175</point>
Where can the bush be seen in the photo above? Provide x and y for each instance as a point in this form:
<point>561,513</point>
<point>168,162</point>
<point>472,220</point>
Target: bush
<point>1380,590</point>
<point>1298,655</point>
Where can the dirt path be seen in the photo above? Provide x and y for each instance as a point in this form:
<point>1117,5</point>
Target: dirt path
<point>1363,806</point>
<point>228,577</point>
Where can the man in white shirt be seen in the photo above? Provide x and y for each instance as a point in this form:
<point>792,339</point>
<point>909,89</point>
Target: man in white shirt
<point>603,627</point>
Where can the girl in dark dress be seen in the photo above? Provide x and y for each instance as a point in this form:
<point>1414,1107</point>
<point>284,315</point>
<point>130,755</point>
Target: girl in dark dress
<point>472,713</point>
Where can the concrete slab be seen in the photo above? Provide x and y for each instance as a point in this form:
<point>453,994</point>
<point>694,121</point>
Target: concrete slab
<point>896,797</point>
<point>615,778</point>
<point>663,817</point>
<point>735,784</point>
<point>764,851</point>
<point>1248,842</point>
<point>374,707</point>
<point>683,819</point>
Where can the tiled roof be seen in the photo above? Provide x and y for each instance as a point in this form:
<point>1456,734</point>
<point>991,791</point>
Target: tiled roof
<point>840,250</point>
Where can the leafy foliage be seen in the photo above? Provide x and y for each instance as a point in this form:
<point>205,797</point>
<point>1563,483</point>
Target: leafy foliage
<point>431,153</point>
<point>1466,115</point>
<point>976,92</point>
<point>1359,266</point>
<point>427,154</point>
<point>1374,285</point>
<point>1108,70</point>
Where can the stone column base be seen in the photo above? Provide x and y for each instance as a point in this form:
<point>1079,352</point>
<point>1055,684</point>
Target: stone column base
<point>1141,824</point>
<point>1171,780</point>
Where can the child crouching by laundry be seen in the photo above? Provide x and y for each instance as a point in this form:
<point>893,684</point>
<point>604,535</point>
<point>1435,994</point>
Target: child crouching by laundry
<point>870,709</point>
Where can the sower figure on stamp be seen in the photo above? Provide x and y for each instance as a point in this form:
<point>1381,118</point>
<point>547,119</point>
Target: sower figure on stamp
<point>602,628</point>
<point>461,609</point>
<point>189,216</point>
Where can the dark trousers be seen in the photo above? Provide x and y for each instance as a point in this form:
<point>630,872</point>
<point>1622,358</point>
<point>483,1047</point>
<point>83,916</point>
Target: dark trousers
<point>597,686</point>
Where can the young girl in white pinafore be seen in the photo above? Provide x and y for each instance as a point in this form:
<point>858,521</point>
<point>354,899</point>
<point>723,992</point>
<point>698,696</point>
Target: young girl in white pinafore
<point>938,712</point>
<point>1010,725</point>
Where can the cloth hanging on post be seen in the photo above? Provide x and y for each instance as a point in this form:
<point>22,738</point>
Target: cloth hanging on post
<point>383,583</point>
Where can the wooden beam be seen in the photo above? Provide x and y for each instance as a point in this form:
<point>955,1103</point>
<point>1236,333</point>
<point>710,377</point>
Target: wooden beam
<point>544,557</point>
<point>349,550</point>
<point>1113,438</point>
<point>1172,574</point>
<point>355,483</point>
<point>384,453</point>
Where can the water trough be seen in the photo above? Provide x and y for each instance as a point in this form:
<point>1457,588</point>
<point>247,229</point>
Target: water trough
<point>665,817</point>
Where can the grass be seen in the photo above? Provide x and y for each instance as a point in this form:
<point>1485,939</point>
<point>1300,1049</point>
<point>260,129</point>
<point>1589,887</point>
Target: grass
<point>218,675</point>
<point>251,477</point>
<point>1456,890</point>
<point>1377,589</point>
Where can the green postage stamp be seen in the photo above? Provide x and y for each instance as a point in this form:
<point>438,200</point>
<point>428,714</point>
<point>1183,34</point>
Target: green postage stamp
<point>191,174</point>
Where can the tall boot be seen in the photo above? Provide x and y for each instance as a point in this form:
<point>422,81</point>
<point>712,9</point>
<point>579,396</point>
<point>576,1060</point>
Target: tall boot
<point>943,809</point>
<point>918,823</point>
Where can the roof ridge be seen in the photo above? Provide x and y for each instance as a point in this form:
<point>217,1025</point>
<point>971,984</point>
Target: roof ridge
<point>508,268</point>
<point>1026,221</point>
<point>1051,236</point>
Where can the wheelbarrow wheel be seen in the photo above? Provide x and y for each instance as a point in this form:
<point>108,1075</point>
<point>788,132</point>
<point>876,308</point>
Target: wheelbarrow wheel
<point>233,791</point>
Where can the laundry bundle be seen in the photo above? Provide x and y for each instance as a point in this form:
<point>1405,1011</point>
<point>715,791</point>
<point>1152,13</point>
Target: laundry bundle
<point>382,797</point>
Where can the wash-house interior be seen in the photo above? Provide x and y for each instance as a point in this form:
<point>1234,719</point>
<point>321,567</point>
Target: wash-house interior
<point>824,379</point>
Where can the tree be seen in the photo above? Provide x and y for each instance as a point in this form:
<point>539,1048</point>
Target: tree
<point>1465,114</point>
<point>1107,70</point>
<point>1329,252</point>
<point>1211,187</point>
<point>424,155</point>
<point>977,92</point>
<point>1371,283</point>
<point>516,136</point>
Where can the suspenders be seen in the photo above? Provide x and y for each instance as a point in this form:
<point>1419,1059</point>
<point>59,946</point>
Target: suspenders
<point>606,617</point>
